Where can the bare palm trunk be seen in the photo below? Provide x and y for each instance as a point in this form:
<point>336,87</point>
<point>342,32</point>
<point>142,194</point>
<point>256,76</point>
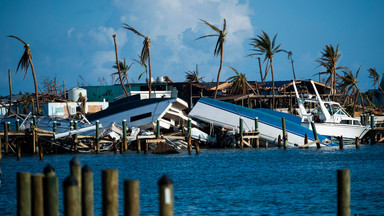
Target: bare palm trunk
<point>362,99</point>
<point>293,70</point>
<point>273,85</point>
<point>118,66</point>
<point>334,83</point>
<point>261,71</point>
<point>36,88</point>
<point>10,92</point>
<point>190,99</point>
<point>266,72</point>
<point>150,72</point>
<point>221,65</point>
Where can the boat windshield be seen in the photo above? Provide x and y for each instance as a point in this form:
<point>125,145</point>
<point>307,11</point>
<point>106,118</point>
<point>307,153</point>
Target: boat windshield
<point>317,110</point>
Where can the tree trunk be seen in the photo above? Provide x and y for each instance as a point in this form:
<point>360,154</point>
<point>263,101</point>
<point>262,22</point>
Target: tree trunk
<point>261,71</point>
<point>36,88</point>
<point>118,66</point>
<point>10,92</point>
<point>190,99</point>
<point>273,85</point>
<point>362,99</point>
<point>334,82</point>
<point>293,70</point>
<point>149,68</point>
<point>221,65</point>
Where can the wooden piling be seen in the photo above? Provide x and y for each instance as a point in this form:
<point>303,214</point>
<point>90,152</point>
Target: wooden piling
<point>18,151</point>
<point>315,134</point>
<point>97,136</point>
<point>51,192</point>
<point>341,143</point>
<point>189,136</point>
<point>34,120</point>
<point>157,129</point>
<point>197,146</point>
<point>87,191</point>
<point>6,140</point>
<point>24,194</point>
<point>266,144</point>
<point>284,133</point>
<point>279,141</point>
<point>110,192</point>
<point>54,126</point>
<point>372,121</point>
<point>343,193</point>
<point>138,144</point>
<point>37,195</point>
<point>41,152</point>
<point>165,196</point>
<point>17,125</point>
<point>146,147</point>
<point>71,197</point>
<point>241,131</point>
<point>125,146</point>
<point>75,169</point>
<point>357,142</point>
<point>131,198</point>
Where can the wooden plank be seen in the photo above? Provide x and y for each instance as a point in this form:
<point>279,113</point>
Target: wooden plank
<point>311,143</point>
<point>154,140</point>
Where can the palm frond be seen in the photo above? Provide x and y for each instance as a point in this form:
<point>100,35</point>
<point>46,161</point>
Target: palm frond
<point>130,28</point>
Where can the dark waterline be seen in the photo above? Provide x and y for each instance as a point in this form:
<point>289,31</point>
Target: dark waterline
<point>228,182</point>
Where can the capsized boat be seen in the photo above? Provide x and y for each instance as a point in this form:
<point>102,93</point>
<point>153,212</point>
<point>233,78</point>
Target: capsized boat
<point>329,117</point>
<point>227,115</point>
<point>143,113</point>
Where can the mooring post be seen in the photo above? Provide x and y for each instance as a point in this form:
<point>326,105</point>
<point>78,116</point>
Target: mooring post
<point>24,194</point>
<point>189,136</point>
<point>343,193</point>
<point>71,197</point>
<point>18,150</point>
<point>165,196</point>
<point>124,123</point>
<point>372,121</point>
<point>241,127</point>
<point>315,134</point>
<point>306,139</point>
<point>6,141</point>
<point>51,192</point>
<point>257,130</point>
<point>75,170</point>
<point>279,141</point>
<point>110,188</point>
<point>71,125</point>
<point>146,147</point>
<point>357,142</point>
<point>97,136</point>
<point>34,121</point>
<point>37,195</point>
<point>157,129</point>
<point>197,146</point>
<point>138,144</point>
<point>87,191</point>
<point>131,198</point>
<point>54,126</point>
<point>284,133</point>
<point>17,125</point>
<point>341,143</point>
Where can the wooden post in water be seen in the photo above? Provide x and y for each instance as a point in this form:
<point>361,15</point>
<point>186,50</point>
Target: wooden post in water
<point>87,191</point>
<point>41,151</point>
<point>315,134</point>
<point>165,196</point>
<point>241,128</point>
<point>341,144</point>
<point>18,150</point>
<point>197,146</point>
<point>257,130</point>
<point>75,168</point>
<point>157,129</point>
<point>37,195</point>
<point>51,192</point>
<point>6,141</point>
<point>97,136</point>
<point>266,144</point>
<point>279,141</point>
<point>54,126</point>
<point>75,137</point>
<point>71,197</point>
<point>110,185</point>
<point>24,194</point>
<point>124,135</point>
<point>138,144</point>
<point>189,136</point>
<point>357,142</point>
<point>131,198</point>
<point>34,120</point>
<point>372,121</point>
<point>306,139</point>
<point>146,147</point>
<point>343,193</point>
<point>17,125</point>
<point>284,133</point>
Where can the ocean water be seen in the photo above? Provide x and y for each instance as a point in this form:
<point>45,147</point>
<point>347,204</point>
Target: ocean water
<point>227,181</point>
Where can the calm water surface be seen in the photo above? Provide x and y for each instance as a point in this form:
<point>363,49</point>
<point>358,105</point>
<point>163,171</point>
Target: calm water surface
<point>228,182</point>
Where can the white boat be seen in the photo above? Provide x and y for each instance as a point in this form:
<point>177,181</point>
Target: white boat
<point>143,113</point>
<point>329,117</point>
<point>227,115</point>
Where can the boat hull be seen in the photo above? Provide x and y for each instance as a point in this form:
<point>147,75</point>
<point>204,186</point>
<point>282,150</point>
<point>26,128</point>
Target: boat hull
<point>337,130</point>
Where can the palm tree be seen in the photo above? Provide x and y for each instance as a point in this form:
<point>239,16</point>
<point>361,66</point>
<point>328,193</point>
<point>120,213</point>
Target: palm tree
<point>219,48</point>
<point>118,67</point>
<point>291,59</point>
<point>124,68</point>
<point>145,53</point>
<point>24,63</point>
<point>262,45</point>
<point>239,83</point>
<point>192,77</point>
<point>328,60</point>
<point>375,78</point>
<point>349,80</point>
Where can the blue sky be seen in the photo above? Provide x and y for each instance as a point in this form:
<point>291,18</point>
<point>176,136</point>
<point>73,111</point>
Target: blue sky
<point>71,38</point>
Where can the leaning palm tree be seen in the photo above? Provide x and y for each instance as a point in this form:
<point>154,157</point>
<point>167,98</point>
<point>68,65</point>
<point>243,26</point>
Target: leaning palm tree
<point>24,63</point>
<point>349,80</point>
<point>118,67</point>
<point>328,60</point>
<point>192,77</point>
<point>262,45</point>
<point>124,68</point>
<point>291,59</point>
<point>240,84</point>
<point>219,49</point>
<point>145,53</point>
<point>375,78</point>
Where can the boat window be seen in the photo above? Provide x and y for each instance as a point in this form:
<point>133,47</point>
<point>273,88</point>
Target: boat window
<point>141,116</point>
<point>355,122</point>
<point>346,122</point>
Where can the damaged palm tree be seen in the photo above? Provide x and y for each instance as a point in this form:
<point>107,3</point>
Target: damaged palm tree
<point>118,67</point>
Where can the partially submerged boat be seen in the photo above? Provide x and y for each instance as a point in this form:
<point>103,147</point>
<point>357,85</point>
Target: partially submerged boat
<point>143,113</point>
<point>329,117</point>
<point>227,115</point>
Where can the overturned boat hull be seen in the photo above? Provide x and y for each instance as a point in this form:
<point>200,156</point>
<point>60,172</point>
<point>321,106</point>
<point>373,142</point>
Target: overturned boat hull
<point>227,115</point>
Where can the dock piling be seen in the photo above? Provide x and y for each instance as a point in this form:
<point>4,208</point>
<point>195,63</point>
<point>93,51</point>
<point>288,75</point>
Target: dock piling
<point>343,193</point>
<point>165,196</point>
<point>131,198</point>
<point>87,191</point>
<point>51,192</point>
<point>75,170</point>
<point>97,136</point>
<point>341,142</point>
<point>124,123</point>
<point>37,195</point>
<point>110,189</point>
<point>357,142</point>
<point>285,138</point>
<point>71,197</point>
<point>315,135</point>
<point>241,128</point>
<point>279,141</point>
<point>189,136</point>
<point>24,194</point>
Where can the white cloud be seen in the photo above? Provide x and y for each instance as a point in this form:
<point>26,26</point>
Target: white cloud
<point>69,32</point>
<point>103,36</point>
